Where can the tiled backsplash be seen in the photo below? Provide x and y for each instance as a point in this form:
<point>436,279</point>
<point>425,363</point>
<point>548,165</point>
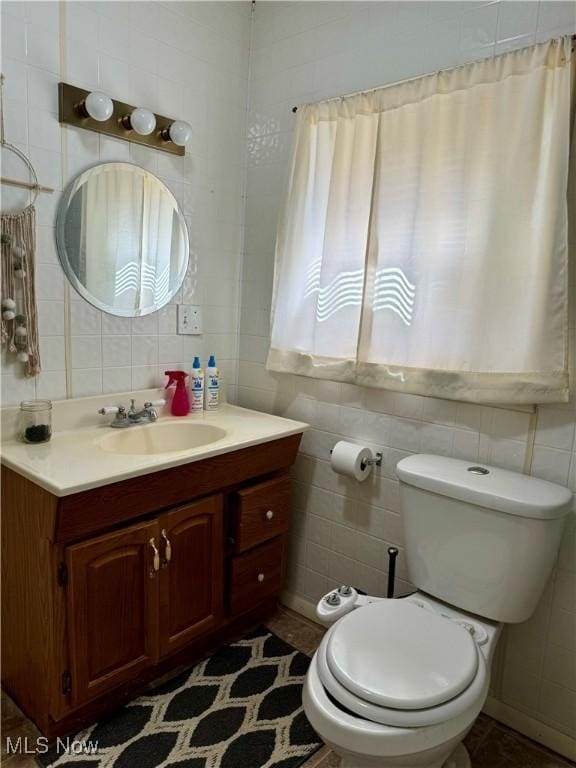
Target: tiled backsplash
<point>305,52</point>
<point>185,60</point>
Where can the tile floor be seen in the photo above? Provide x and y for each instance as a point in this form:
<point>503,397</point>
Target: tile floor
<point>491,745</point>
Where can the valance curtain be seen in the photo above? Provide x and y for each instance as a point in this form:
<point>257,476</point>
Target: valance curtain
<point>423,246</point>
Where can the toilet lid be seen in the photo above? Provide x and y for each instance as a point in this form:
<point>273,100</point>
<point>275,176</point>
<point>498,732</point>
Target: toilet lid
<point>398,655</point>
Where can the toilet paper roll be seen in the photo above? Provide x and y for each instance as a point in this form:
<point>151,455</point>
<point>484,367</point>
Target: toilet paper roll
<point>350,460</point>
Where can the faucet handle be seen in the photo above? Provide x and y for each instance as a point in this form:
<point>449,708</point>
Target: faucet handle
<point>155,403</point>
<point>121,418</point>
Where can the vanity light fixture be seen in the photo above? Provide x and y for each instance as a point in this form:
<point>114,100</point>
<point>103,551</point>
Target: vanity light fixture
<point>141,120</point>
<point>95,111</point>
<point>96,105</point>
<point>180,132</point>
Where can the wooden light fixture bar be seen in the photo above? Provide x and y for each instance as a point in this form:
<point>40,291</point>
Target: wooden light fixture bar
<point>69,112</point>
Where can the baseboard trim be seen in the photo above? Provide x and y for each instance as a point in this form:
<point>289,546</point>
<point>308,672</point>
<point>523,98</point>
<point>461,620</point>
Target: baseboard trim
<point>300,605</point>
<point>534,729</point>
<point>528,726</point>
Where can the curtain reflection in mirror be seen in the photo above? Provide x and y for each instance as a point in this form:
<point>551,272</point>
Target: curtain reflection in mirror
<point>124,238</point>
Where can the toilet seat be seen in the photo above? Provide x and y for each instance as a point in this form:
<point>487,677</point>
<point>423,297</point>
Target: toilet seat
<point>394,654</point>
<point>346,731</point>
<point>395,664</point>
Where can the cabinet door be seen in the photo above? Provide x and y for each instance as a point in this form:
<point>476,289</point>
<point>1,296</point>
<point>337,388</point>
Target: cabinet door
<point>112,609</point>
<point>191,575</point>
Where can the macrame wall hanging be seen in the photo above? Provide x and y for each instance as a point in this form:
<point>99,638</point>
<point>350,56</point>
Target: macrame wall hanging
<point>19,319</point>
<point>19,331</point>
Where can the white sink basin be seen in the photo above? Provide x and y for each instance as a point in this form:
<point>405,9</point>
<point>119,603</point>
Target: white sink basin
<point>161,438</point>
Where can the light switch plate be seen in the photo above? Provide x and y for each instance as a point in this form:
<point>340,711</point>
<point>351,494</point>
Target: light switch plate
<point>190,320</point>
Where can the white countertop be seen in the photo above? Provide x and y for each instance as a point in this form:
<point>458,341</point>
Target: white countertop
<point>73,460</point>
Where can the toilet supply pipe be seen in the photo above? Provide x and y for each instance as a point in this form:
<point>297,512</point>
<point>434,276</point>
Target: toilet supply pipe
<point>392,555</point>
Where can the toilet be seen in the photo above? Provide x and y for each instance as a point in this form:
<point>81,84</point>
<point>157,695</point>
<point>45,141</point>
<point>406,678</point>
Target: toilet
<point>399,683</point>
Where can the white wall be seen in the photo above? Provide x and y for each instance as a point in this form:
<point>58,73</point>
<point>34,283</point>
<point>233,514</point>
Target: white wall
<point>305,52</point>
<point>185,60</point>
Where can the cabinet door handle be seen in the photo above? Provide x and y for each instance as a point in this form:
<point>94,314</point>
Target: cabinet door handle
<point>269,515</point>
<point>167,548</point>
<point>260,577</point>
<point>156,561</point>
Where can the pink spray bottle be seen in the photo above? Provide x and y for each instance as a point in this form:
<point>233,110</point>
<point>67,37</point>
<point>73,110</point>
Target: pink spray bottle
<point>180,402</point>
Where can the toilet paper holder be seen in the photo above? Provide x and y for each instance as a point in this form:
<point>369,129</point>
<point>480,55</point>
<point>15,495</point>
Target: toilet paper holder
<point>375,461</point>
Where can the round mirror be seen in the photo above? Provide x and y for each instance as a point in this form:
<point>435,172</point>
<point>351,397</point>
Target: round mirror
<point>122,239</point>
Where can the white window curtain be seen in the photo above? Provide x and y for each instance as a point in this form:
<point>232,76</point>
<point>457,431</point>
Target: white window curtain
<point>423,246</point>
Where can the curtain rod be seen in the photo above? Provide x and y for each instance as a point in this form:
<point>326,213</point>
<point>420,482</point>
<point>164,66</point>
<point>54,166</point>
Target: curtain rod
<point>335,98</point>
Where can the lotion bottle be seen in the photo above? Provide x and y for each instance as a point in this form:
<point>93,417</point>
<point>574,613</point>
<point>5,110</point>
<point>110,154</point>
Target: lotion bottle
<point>212,385</point>
<point>196,387</point>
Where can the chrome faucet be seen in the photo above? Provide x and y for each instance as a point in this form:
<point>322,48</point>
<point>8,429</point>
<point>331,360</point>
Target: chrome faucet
<point>128,418</point>
<point>147,413</point>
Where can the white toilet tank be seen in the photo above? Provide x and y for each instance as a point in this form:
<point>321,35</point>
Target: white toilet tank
<point>480,538</point>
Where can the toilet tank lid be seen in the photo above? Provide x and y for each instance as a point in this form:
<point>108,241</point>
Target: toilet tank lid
<point>486,486</point>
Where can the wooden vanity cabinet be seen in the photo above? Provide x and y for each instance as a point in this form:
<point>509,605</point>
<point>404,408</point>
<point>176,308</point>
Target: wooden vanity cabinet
<point>104,590</point>
<point>262,512</point>
<point>191,576</point>
<point>257,574</point>
<point>112,597</point>
<point>137,595</point>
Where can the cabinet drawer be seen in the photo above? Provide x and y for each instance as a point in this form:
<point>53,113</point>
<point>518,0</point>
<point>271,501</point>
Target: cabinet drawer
<point>256,575</point>
<point>261,512</point>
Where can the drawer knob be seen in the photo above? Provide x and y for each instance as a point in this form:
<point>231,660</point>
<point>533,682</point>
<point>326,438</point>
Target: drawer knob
<point>269,515</point>
<point>260,577</point>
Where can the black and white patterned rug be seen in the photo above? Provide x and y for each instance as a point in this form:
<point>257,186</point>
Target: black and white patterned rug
<point>240,708</point>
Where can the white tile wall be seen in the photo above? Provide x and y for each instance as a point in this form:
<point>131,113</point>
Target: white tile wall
<point>309,51</point>
<point>179,59</point>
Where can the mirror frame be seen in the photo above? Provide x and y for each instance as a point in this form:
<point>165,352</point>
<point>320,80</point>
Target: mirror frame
<point>63,207</point>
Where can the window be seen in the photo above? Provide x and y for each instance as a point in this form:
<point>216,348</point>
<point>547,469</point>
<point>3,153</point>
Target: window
<point>423,247</point>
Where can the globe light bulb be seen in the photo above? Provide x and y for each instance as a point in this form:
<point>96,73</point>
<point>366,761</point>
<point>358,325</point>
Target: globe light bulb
<point>143,121</point>
<point>98,106</point>
<point>180,132</point>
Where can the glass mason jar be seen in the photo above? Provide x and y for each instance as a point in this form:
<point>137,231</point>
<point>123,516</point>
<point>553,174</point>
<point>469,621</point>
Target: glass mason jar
<point>35,421</point>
